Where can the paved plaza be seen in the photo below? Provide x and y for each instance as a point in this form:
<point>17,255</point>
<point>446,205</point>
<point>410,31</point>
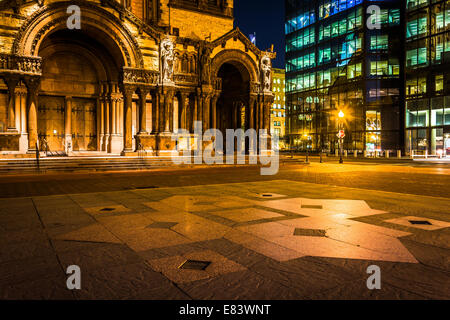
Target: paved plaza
<point>274,239</point>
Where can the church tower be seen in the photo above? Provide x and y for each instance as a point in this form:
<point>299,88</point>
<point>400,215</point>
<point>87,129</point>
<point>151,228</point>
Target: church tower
<point>195,19</point>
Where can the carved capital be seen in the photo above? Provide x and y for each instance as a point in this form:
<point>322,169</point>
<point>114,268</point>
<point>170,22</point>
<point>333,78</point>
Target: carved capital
<point>33,84</point>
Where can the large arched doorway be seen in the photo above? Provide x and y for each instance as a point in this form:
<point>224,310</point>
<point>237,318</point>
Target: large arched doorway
<point>77,72</point>
<point>233,102</point>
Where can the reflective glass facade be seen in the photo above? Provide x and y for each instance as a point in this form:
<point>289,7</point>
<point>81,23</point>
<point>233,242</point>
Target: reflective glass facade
<point>427,86</point>
<point>335,61</point>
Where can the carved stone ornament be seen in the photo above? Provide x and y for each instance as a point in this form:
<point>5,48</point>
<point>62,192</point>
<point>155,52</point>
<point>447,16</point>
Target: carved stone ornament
<point>266,73</point>
<point>205,65</point>
<point>167,60</point>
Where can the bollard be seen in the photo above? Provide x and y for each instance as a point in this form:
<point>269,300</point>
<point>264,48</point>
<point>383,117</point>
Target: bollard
<point>37,156</point>
<point>386,154</point>
<point>355,154</point>
<point>345,153</point>
<point>399,154</point>
<point>337,152</point>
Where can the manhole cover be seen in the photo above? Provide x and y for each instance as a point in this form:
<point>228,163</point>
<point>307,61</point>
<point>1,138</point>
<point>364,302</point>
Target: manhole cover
<point>420,222</point>
<point>195,265</point>
<point>267,195</point>
<point>309,232</point>
<point>144,188</point>
<point>107,209</point>
<point>162,225</point>
<point>307,206</point>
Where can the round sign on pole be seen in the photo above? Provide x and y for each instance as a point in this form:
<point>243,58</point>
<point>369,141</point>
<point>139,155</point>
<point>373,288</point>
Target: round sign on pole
<point>341,134</point>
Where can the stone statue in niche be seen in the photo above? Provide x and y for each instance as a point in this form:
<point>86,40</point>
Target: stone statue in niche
<point>205,65</point>
<point>266,73</point>
<point>167,60</point>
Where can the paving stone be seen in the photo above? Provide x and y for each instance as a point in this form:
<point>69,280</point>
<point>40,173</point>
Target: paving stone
<point>310,232</point>
<point>91,233</point>
<point>243,285</point>
<point>433,224</point>
<point>125,281</point>
<point>98,255</point>
<point>428,255</point>
<point>53,288</point>
<point>357,290</point>
<point>14,272</point>
<point>146,239</point>
<point>24,250</point>
<point>162,225</point>
<point>219,265</point>
<point>248,214</point>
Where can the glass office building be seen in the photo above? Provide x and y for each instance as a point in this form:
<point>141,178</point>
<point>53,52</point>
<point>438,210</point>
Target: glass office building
<point>338,59</point>
<point>427,77</point>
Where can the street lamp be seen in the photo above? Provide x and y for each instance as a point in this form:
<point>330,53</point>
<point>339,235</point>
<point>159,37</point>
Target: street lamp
<point>341,134</point>
<point>306,137</point>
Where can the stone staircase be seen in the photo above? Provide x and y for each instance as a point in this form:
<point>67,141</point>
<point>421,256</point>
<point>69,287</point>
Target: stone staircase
<point>82,164</point>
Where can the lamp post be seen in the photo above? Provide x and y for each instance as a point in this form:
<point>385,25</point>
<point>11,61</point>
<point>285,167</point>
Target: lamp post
<point>341,134</point>
<point>306,137</point>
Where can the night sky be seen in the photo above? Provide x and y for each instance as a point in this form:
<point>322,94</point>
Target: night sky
<point>266,18</point>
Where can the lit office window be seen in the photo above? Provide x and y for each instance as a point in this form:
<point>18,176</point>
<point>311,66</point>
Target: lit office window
<point>416,86</point>
<point>439,82</point>
<point>416,57</point>
<point>417,27</point>
<point>379,42</point>
<point>412,4</point>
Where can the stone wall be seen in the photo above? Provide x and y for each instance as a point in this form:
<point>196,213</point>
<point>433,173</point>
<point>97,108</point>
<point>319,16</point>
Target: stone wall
<point>9,142</point>
<point>199,26</point>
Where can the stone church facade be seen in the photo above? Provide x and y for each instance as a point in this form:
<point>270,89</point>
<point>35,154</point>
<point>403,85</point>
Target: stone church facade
<point>134,73</point>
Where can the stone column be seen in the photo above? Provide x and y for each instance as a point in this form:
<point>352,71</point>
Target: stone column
<point>194,111</point>
<point>206,111</point>
<point>128,139</point>
<point>101,118</point>
<point>32,105</point>
<point>214,111</point>
<point>120,120</point>
<point>199,104</point>
<point>168,108</point>
<point>261,115</point>
<point>175,119</point>
<point>155,106</point>
<point>183,111</point>
<point>251,109</point>
<point>266,117</point>
<point>107,102</point>
<point>68,124</point>
<point>23,110</point>
<point>17,109</point>
<point>21,118</point>
<point>143,111</point>
<point>12,82</point>
<point>113,115</point>
<point>117,101</point>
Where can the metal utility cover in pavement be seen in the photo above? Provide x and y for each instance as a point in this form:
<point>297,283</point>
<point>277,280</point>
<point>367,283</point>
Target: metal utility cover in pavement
<point>309,232</point>
<point>421,222</point>
<point>307,206</point>
<point>107,209</point>
<point>195,265</point>
<point>266,195</point>
<point>162,225</point>
<point>144,188</point>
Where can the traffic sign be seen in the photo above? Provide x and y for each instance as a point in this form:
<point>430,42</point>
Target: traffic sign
<point>341,134</point>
